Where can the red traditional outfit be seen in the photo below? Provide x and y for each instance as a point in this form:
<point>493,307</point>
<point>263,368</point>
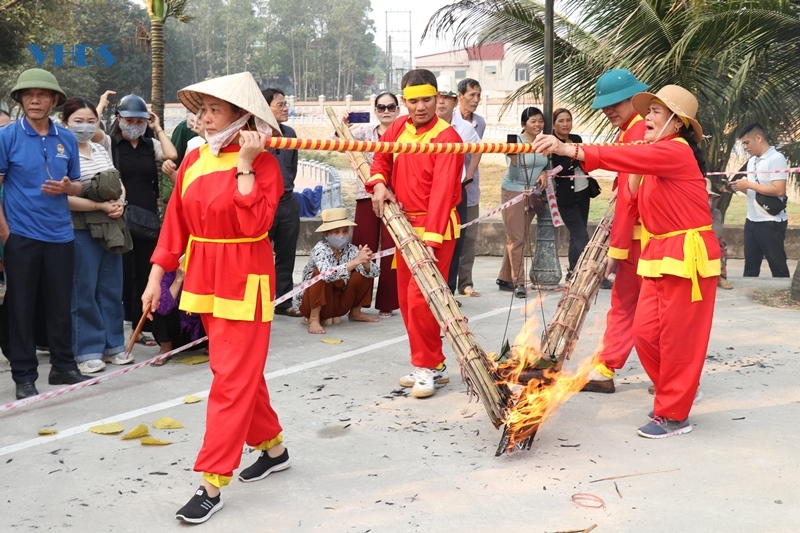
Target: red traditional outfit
<point>625,246</point>
<point>680,264</point>
<point>429,188</point>
<point>230,282</point>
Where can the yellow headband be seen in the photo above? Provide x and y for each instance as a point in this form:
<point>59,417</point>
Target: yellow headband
<point>683,119</point>
<point>419,91</point>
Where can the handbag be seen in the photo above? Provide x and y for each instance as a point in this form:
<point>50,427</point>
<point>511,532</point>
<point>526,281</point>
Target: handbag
<point>773,205</point>
<point>594,188</point>
<point>535,202</point>
<point>142,223</point>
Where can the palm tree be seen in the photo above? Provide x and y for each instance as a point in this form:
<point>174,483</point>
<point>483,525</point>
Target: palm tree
<point>739,57</point>
<point>159,11</point>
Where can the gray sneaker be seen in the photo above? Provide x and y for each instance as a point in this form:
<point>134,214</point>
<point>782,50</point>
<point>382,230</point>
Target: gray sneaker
<point>661,428</point>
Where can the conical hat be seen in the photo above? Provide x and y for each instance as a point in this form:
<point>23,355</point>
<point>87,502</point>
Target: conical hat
<point>239,89</point>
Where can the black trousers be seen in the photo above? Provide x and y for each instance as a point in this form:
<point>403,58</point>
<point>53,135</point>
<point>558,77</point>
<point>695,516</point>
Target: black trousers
<point>452,277</point>
<point>284,233</point>
<point>31,264</point>
<point>765,239</point>
<point>576,219</point>
<point>135,271</point>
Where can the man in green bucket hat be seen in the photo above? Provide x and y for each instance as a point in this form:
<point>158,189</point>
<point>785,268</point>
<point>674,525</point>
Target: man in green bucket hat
<point>612,94</point>
<point>39,168</point>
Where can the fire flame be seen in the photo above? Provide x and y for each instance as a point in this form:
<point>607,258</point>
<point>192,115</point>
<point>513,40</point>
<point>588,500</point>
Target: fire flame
<point>539,385</point>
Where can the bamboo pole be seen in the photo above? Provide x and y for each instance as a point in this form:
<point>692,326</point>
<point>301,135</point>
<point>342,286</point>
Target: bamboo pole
<point>477,371</point>
<point>562,332</point>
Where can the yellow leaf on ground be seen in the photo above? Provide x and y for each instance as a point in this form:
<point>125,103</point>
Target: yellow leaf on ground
<point>139,431</point>
<point>332,341</point>
<point>192,399</point>
<point>166,422</point>
<point>150,441</point>
<point>191,359</point>
<point>108,429</point>
<point>47,431</point>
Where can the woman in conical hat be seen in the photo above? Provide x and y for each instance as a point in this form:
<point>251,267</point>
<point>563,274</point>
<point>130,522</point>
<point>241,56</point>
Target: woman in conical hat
<point>680,261</point>
<point>224,202</point>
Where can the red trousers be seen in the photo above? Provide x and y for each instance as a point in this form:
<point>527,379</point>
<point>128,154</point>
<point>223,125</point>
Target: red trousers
<point>423,330</point>
<point>371,232</point>
<point>618,337</point>
<point>671,334</point>
<point>238,410</point>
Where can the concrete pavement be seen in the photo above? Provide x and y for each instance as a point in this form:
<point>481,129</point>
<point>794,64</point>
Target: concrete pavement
<point>367,457</point>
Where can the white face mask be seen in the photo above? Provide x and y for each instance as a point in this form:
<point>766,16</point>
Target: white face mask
<point>83,131</point>
<point>218,141</point>
<point>658,137</point>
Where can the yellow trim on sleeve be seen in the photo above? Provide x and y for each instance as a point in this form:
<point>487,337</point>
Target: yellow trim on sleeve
<point>433,237</point>
<point>619,254</point>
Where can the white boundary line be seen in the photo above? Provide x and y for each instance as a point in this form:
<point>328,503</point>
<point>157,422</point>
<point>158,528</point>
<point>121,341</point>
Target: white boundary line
<point>71,432</point>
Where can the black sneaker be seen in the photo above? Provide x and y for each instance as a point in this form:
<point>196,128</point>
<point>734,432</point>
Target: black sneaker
<point>200,508</point>
<point>607,284</point>
<point>264,466</point>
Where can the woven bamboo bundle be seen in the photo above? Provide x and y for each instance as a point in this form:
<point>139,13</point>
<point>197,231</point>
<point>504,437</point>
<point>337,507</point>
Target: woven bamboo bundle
<point>478,372</point>
<point>541,369</point>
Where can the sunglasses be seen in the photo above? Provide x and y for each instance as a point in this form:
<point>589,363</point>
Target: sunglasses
<point>391,108</point>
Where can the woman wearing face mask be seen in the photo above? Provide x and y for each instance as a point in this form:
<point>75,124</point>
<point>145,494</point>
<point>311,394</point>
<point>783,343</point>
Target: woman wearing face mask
<point>523,173</point>
<point>680,260</point>
<point>139,158</point>
<point>101,237</point>
<point>225,199</point>
<point>370,231</point>
<point>344,291</point>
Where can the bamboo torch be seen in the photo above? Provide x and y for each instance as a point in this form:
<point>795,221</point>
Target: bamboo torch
<point>477,371</point>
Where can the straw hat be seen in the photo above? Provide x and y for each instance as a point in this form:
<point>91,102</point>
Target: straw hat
<point>334,218</point>
<point>239,89</point>
<point>678,100</point>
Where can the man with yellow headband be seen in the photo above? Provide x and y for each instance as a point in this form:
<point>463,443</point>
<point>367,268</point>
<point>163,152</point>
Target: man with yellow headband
<point>428,186</point>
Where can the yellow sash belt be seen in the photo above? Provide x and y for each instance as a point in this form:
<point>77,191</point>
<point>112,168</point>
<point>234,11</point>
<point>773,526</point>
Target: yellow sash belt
<point>194,238</point>
<point>695,255</point>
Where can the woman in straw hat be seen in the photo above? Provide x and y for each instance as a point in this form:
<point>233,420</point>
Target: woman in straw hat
<point>344,291</point>
<point>224,202</point>
<point>680,260</point>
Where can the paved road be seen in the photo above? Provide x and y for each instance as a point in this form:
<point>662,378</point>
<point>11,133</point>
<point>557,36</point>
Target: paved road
<point>369,458</point>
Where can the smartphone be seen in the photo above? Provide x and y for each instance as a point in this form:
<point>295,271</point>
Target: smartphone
<point>358,117</point>
<point>512,138</point>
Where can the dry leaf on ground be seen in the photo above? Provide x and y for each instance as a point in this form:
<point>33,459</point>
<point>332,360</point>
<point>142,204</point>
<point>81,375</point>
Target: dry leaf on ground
<point>192,399</point>
<point>108,429</point>
<point>47,431</point>
<point>332,341</point>
<point>191,359</point>
<point>139,431</point>
<point>150,441</point>
<point>166,422</point>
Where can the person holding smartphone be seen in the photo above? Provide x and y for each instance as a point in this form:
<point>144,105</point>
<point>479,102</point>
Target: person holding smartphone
<point>370,230</point>
<point>524,172</point>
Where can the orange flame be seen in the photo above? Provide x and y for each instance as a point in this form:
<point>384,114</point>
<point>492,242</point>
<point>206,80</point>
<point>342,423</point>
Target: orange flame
<point>539,385</point>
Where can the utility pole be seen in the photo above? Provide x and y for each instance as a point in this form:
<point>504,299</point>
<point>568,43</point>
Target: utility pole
<point>546,269</point>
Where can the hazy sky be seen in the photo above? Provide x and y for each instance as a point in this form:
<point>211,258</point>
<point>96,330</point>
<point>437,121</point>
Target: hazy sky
<point>421,11</point>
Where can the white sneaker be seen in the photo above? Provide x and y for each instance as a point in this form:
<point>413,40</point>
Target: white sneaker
<point>119,359</point>
<point>424,383</point>
<point>92,366</point>
<point>441,376</point>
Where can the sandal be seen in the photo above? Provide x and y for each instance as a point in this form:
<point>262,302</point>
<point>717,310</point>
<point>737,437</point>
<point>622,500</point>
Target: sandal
<point>288,311</point>
<point>161,362</point>
<point>469,291</point>
<point>146,340</point>
<point>385,314</point>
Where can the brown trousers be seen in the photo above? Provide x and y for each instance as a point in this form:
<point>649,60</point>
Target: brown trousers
<point>335,298</point>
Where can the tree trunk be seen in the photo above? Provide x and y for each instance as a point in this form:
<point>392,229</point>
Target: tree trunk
<point>157,58</point>
<point>794,290</point>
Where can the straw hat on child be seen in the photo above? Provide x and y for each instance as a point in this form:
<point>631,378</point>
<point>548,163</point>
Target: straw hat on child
<point>239,89</point>
<point>676,99</point>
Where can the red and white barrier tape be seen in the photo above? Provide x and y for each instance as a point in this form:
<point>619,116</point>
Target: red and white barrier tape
<point>730,172</point>
<point>98,379</point>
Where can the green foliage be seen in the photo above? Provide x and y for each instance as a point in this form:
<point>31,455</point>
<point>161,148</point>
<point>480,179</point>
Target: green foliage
<point>739,57</point>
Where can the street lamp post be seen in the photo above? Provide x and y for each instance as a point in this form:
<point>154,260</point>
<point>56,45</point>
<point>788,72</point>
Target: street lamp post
<point>545,269</point>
